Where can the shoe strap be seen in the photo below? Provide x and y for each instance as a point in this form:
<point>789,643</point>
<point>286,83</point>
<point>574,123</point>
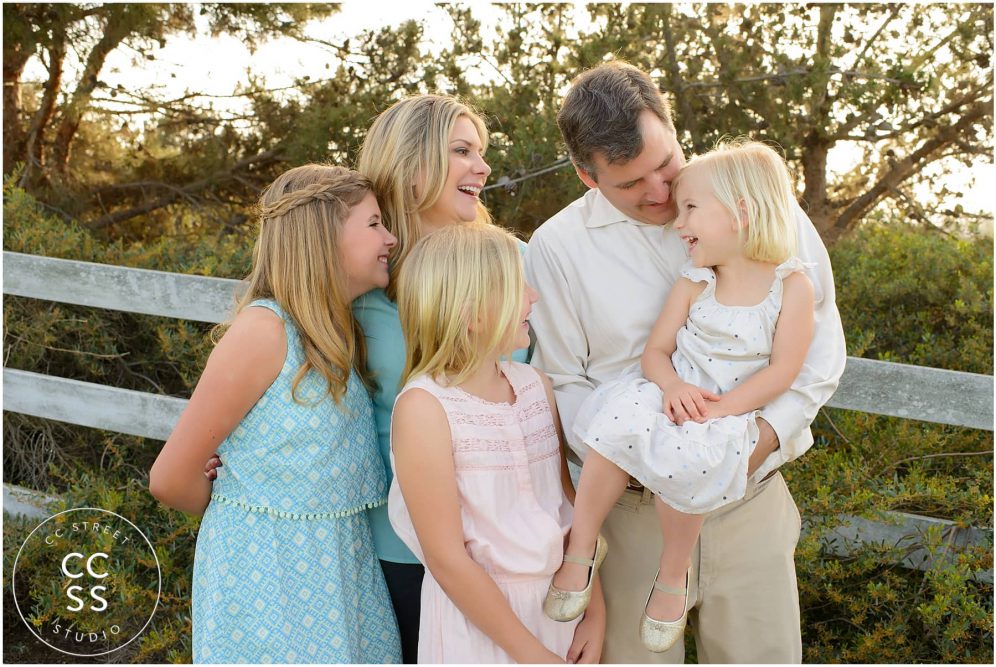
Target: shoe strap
<point>578,560</point>
<point>670,590</point>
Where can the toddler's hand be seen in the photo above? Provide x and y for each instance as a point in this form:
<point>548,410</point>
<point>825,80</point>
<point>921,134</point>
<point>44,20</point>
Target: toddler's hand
<point>683,401</point>
<point>719,409</point>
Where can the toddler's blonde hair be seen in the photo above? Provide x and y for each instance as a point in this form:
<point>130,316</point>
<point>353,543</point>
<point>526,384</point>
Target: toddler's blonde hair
<point>751,180</point>
<point>455,277</point>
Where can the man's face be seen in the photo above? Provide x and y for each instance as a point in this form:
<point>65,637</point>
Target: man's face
<point>641,188</point>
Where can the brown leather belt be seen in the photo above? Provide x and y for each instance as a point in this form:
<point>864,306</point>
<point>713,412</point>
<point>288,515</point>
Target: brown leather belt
<point>634,485</point>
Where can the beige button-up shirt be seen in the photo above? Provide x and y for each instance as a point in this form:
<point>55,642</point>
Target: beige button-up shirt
<point>603,279</point>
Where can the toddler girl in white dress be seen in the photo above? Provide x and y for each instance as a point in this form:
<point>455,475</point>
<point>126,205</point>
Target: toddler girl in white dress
<point>733,335</point>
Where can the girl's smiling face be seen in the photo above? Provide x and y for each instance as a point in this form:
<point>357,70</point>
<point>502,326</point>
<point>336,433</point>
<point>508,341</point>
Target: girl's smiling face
<point>364,245</point>
<point>521,330</point>
<point>465,177</point>
<point>711,233</point>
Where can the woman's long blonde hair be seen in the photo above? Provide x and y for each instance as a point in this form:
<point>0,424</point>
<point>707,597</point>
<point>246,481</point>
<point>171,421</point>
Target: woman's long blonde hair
<point>751,180</point>
<point>296,263</point>
<point>459,276</point>
<point>408,144</point>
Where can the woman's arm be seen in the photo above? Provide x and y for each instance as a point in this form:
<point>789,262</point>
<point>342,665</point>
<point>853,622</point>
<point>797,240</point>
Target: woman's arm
<point>423,460</point>
<point>793,333</point>
<point>241,367</point>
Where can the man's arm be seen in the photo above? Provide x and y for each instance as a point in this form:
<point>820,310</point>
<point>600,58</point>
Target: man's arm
<point>791,413</point>
<point>561,345</point>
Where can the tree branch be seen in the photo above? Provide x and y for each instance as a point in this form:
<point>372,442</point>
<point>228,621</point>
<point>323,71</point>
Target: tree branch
<point>115,30</point>
<point>262,159</point>
<point>893,13</point>
<point>912,164</point>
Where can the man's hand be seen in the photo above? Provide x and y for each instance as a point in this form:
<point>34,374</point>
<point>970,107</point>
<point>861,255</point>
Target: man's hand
<point>683,401</point>
<point>767,442</point>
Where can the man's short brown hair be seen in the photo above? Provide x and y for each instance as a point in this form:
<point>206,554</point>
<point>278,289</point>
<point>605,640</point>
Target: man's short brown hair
<point>601,112</point>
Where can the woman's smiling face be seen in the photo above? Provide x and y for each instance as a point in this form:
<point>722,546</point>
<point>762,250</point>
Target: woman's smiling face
<point>465,177</point>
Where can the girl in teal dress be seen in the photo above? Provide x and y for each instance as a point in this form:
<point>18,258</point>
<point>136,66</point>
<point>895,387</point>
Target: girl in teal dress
<point>285,569</point>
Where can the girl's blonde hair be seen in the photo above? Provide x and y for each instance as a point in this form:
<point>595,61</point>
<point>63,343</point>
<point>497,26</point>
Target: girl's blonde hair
<point>459,276</point>
<point>408,144</point>
<point>296,263</point>
<point>751,181</point>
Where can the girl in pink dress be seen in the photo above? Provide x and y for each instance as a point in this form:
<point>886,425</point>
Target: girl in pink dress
<point>481,487</point>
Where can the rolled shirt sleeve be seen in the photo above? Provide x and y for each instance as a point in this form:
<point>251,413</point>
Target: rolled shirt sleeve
<point>791,413</point>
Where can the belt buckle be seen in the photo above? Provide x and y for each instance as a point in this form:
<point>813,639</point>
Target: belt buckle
<point>646,495</point>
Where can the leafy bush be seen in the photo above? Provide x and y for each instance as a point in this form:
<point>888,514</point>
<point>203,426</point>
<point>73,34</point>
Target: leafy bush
<point>936,290</point>
<point>92,468</point>
<point>917,298</point>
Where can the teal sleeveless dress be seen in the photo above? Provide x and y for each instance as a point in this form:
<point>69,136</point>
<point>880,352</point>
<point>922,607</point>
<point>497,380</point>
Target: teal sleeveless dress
<point>285,570</point>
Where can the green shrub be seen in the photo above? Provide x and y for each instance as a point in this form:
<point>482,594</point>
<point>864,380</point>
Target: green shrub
<point>918,298</point>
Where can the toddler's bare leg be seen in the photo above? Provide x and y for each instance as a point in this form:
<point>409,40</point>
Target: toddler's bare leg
<point>680,532</point>
<point>601,484</point>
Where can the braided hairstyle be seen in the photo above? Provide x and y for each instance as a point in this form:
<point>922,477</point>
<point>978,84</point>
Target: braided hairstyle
<point>296,263</point>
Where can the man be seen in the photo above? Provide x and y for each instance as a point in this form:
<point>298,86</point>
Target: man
<point>604,266</point>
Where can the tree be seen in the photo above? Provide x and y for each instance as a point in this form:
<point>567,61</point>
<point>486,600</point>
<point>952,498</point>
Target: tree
<point>906,88</point>
<point>909,87</point>
<point>44,144</point>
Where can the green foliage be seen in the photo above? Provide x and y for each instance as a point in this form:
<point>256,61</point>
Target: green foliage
<point>91,468</point>
<point>173,535</point>
<point>942,311</point>
<point>896,290</point>
<point>909,87</point>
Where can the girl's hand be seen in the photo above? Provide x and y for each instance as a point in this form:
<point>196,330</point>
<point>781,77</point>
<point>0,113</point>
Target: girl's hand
<point>719,408</point>
<point>683,401</point>
<point>589,635</point>
<point>542,656</point>
<point>210,467</point>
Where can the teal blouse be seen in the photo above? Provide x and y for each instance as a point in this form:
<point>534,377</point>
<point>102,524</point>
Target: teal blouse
<point>378,316</point>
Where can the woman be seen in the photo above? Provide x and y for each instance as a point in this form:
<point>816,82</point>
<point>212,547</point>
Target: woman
<point>425,158</point>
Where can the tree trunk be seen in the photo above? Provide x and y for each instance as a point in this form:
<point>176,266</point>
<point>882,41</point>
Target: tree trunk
<point>116,28</point>
<point>688,119</point>
<point>34,148</point>
<point>814,169</point>
<point>15,57</point>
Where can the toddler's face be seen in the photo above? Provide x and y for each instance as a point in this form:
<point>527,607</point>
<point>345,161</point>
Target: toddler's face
<point>709,230</point>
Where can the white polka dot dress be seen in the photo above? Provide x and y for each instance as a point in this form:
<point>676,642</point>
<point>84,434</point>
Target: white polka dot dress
<point>694,468</point>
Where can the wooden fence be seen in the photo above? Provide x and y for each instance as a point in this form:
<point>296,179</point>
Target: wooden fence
<point>877,387</point>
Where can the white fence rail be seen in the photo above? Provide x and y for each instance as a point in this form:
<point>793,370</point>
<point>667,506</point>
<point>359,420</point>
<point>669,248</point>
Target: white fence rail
<point>877,387</point>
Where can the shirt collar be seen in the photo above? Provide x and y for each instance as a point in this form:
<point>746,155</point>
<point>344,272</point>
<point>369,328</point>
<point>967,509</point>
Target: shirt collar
<point>603,213</point>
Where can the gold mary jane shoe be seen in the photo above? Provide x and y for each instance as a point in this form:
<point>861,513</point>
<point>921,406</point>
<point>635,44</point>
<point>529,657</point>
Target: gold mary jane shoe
<point>567,605</point>
<point>659,636</point>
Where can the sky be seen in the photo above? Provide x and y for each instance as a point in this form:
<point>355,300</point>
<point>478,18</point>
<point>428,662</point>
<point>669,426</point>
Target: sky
<point>216,66</point>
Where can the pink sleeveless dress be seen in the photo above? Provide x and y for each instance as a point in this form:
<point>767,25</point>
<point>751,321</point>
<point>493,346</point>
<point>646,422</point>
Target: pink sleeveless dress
<point>514,512</point>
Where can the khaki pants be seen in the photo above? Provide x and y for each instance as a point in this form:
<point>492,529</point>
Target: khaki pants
<point>742,590</point>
